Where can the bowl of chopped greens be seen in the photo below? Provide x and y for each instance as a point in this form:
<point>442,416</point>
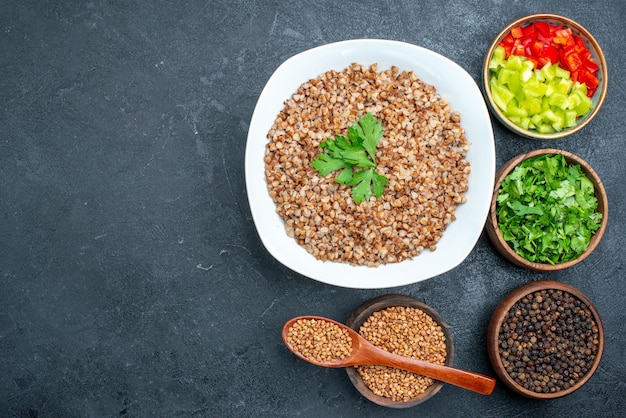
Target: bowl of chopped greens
<point>545,76</point>
<point>549,210</point>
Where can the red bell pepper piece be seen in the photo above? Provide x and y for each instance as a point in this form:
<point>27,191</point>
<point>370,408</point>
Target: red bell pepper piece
<point>590,65</point>
<point>529,30</point>
<point>517,32</point>
<point>551,53</point>
<point>572,61</point>
<point>543,28</point>
<point>579,42</point>
<point>526,40</point>
<point>542,62</point>
<point>590,80</point>
<point>542,42</point>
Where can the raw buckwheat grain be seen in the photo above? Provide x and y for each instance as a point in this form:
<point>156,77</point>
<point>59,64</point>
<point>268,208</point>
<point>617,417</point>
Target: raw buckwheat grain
<point>319,340</point>
<point>408,332</point>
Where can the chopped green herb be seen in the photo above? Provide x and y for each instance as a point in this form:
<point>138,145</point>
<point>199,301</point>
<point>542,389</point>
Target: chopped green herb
<point>357,150</point>
<point>364,181</point>
<point>546,210</point>
<point>367,133</point>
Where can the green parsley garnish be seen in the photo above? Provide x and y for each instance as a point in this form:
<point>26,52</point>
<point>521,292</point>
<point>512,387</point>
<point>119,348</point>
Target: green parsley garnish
<point>355,156</point>
<point>546,210</point>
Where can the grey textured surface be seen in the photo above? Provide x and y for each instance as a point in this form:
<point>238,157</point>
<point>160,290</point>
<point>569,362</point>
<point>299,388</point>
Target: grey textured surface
<point>132,280</point>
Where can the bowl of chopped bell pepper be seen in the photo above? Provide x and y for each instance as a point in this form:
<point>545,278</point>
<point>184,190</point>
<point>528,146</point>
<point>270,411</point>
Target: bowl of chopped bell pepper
<point>545,76</point>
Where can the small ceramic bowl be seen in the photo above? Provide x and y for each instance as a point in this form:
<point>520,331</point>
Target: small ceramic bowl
<point>501,317</point>
<point>505,249</point>
<point>596,53</point>
<point>357,319</point>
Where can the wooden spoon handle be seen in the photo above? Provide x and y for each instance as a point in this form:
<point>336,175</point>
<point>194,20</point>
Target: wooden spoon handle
<point>468,380</point>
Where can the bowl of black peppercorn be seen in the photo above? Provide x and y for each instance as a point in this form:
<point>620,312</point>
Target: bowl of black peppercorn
<point>545,340</point>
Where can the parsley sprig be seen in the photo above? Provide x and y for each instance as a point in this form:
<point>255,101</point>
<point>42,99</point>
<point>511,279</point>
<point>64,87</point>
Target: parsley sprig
<point>546,210</point>
<point>355,156</point>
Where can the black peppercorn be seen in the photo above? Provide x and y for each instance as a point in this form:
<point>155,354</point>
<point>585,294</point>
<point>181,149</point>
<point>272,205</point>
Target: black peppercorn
<point>550,341</point>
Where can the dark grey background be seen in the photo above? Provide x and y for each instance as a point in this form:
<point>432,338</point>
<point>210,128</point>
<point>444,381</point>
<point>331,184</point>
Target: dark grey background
<point>132,280</point>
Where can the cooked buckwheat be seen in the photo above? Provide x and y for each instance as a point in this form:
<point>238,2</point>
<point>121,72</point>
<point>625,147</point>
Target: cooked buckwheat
<point>422,153</point>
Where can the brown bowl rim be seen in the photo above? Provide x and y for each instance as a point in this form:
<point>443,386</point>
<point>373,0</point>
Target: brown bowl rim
<point>493,231</point>
<point>496,322</point>
<point>598,97</point>
<point>370,306</point>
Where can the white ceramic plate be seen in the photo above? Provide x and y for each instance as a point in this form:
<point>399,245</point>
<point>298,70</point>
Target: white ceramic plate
<point>452,83</point>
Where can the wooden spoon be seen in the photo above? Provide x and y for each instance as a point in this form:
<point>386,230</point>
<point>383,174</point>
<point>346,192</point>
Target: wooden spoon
<point>364,352</point>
